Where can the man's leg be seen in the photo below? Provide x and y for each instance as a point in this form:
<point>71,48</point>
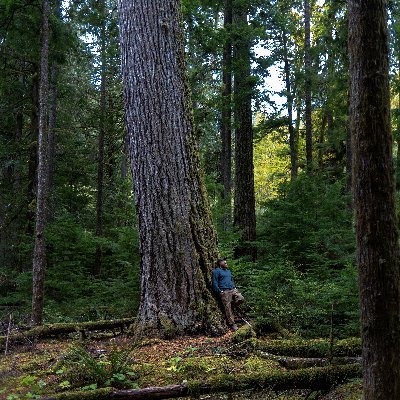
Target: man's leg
<point>237,297</point>
<point>226,298</point>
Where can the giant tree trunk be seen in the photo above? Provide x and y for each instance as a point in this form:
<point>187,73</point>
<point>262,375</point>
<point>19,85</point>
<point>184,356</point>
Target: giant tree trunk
<point>307,84</point>
<point>244,201</point>
<point>39,255</point>
<point>226,120</point>
<point>177,238</point>
<point>374,199</point>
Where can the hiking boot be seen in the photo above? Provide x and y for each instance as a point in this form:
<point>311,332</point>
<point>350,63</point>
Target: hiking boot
<point>234,327</point>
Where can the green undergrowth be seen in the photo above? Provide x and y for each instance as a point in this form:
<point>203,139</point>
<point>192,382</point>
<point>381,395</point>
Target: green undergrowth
<point>93,369</point>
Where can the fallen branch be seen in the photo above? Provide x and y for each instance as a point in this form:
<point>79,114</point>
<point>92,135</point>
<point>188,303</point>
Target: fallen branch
<point>46,331</point>
<point>316,379</point>
<point>306,348</point>
<point>298,363</point>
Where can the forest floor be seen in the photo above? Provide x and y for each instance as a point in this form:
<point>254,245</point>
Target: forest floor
<point>32,370</point>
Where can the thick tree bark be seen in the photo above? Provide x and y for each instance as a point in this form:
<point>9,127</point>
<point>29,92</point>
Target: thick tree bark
<point>39,254</point>
<point>244,202</point>
<point>307,84</point>
<point>374,199</point>
<point>177,238</point>
<point>226,120</point>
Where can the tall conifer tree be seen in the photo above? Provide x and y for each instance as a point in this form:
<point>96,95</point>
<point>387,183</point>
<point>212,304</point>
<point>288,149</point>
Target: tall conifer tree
<point>244,201</point>
<point>39,255</point>
<point>374,199</point>
<point>177,238</point>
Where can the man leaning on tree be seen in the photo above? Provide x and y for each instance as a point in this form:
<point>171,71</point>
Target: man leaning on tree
<point>223,284</point>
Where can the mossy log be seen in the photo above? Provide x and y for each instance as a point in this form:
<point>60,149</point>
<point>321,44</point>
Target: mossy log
<point>46,331</point>
<point>306,348</point>
<point>312,378</point>
<point>297,363</point>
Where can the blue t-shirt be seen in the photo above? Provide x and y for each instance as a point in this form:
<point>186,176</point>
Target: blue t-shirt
<point>222,279</point>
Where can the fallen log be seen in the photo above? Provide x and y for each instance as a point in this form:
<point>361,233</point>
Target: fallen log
<point>316,379</point>
<point>298,363</point>
<point>306,348</point>
<point>46,331</point>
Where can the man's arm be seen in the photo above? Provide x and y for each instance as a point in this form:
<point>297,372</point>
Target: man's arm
<point>215,276</point>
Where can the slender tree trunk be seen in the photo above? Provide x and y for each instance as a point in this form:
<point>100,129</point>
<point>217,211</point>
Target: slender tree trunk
<point>177,238</point>
<point>349,160</point>
<point>39,255</point>
<point>19,118</point>
<point>321,140</point>
<point>397,136</point>
<point>289,99</point>
<point>52,124</point>
<point>19,125</point>
<point>307,84</point>
<point>226,122</point>
<point>374,199</point>
<point>125,158</point>
<point>33,154</point>
<point>298,116</point>
<point>100,160</point>
<point>53,97</point>
<point>244,202</point>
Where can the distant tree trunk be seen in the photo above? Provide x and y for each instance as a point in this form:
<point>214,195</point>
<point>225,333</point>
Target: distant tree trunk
<point>349,160</point>
<point>289,99</point>
<point>397,136</point>
<point>54,70</point>
<point>19,125</point>
<point>100,159</point>
<point>125,158</point>
<point>307,84</point>
<point>52,124</point>
<point>177,238</point>
<point>244,202</point>
<point>39,255</point>
<point>226,120</point>
<point>298,117</point>
<point>321,140</point>
<point>374,199</point>
<point>19,117</point>
<point>33,154</point>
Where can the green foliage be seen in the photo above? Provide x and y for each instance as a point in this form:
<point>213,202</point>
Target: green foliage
<point>243,333</point>
<point>80,368</point>
<point>305,279</point>
<point>309,225</point>
<point>303,303</point>
<point>72,292</point>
